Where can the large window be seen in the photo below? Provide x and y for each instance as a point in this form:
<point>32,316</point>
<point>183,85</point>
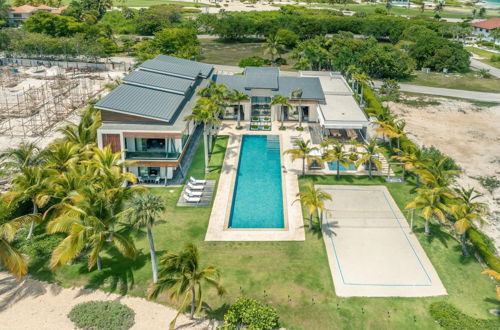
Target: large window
<point>261,99</point>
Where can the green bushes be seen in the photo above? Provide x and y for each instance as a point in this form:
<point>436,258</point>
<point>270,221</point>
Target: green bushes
<point>105,315</point>
<point>484,248</point>
<point>248,312</point>
<point>251,61</point>
<point>449,317</point>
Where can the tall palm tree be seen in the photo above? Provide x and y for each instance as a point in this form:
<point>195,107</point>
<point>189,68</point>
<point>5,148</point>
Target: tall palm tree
<point>146,209</point>
<point>86,218</point>
<point>464,220</point>
<point>413,158</point>
<point>25,155</point>
<point>337,154</point>
<point>314,199</point>
<point>204,112</point>
<point>10,258</point>
<point>369,155</point>
<point>436,173</point>
<point>302,150</point>
<point>284,103</point>
<point>235,96</point>
<point>32,184</point>
<point>273,46</point>
<point>85,133</point>
<point>432,203</point>
<point>182,275</point>
<point>297,94</point>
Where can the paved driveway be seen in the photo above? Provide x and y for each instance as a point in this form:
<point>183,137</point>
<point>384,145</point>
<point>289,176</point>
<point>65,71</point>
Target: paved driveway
<point>370,249</point>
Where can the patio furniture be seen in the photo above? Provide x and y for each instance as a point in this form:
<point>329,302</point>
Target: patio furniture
<point>193,187</point>
<point>191,199</point>
<point>335,133</point>
<point>195,181</point>
<point>140,179</point>
<point>193,193</point>
<point>158,179</point>
<point>351,134</point>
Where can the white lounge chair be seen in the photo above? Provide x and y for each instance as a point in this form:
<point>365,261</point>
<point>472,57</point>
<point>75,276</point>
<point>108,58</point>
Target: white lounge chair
<point>195,181</point>
<point>193,187</point>
<point>193,193</point>
<point>191,199</point>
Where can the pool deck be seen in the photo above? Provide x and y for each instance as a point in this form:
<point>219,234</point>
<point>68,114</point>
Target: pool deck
<point>371,250</point>
<point>294,222</point>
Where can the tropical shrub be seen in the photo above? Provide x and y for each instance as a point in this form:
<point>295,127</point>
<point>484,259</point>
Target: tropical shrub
<point>449,317</point>
<point>105,315</point>
<point>484,248</point>
<point>251,61</point>
<point>251,313</point>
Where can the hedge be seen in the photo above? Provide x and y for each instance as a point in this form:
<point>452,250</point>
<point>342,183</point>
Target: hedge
<point>252,314</point>
<point>102,315</point>
<point>449,317</point>
<point>485,249</point>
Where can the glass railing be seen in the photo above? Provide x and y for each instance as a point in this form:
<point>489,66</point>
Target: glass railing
<point>151,155</point>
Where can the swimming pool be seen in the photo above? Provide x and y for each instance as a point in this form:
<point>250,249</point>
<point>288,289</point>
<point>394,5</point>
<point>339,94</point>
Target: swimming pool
<point>333,167</point>
<point>258,195</point>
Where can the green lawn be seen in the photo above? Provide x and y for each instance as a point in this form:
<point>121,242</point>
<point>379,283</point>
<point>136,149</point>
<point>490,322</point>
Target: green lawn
<point>465,81</point>
<point>292,276</point>
<point>486,55</point>
<point>214,51</point>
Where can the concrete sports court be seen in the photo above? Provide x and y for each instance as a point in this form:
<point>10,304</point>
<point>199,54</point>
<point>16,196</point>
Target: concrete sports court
<point>370,248</point>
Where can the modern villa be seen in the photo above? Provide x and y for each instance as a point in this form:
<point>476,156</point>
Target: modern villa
<point>144,116</point>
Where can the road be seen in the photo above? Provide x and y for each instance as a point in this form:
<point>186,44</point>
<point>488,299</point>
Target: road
<point>480,65</point>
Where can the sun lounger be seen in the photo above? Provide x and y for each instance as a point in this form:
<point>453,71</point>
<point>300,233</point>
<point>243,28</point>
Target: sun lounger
<point>194,187</point>
<point>191,199</point>
<point>195,181</point>
<point>193,193</point>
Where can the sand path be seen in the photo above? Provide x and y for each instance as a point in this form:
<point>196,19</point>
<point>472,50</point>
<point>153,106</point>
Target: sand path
<point>31,304</point>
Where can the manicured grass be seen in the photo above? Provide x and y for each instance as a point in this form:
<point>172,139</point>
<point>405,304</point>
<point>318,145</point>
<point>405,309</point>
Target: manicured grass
<point>465,81</point>
<point>292,276</point>
<point>215,51</point>
<point>486,55</point>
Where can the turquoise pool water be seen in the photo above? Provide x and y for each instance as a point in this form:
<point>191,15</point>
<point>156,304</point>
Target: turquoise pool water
<point>258,196</point>
<point>333,167</point>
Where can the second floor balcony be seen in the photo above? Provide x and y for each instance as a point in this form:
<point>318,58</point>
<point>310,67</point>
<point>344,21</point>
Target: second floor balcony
<point>162,155</point>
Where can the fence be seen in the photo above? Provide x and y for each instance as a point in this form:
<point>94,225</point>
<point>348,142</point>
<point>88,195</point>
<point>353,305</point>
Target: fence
<point>119,66</point>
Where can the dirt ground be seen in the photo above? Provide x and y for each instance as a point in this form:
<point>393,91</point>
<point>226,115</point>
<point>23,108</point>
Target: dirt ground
<point>468,133</point>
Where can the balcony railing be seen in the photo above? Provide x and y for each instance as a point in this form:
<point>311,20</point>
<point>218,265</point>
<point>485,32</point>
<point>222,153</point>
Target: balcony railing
<point>151,155</point>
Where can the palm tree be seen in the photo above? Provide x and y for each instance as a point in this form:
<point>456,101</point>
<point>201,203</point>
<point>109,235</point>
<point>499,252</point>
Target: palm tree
<point>284,103</point>
<point>412,158</point>
<point>303,151</point>
<point>32,184</point>
<point>393,130</point>
<point>146,209</point>
<point>464,220</point>
<point>235,96</point>
<point>432,203</point>
<point>85,133</point>
<point>297,94</point>
<point>314,199</point>
<point>337,154</point>
<point>181,275</point>
<point>87,219</point>
<point>204,112</point>
<point>61,155</point>
<point>436,173</point>
<point>273,46</point>
<point>25,155</point>
<point>10,258</point>
<point>369,155</point>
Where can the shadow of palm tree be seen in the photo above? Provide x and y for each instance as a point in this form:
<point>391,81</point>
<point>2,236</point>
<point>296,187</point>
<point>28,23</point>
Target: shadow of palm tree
<point>117,272</point>
<point>436,234</point>
<point>14,291</point>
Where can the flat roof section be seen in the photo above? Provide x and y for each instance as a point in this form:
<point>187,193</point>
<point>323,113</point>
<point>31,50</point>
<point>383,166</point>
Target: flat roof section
<point>159,81</point>
<point>342,111</point>
<point>141,101</point>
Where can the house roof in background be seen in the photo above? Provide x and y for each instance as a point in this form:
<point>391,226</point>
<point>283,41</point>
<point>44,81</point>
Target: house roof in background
<point>159,81</point>
<point>142,101</point>
<point>489,24</point>
<point>22,9</point>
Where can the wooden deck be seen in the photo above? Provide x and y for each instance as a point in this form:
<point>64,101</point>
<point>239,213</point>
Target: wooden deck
<point>206,197</point>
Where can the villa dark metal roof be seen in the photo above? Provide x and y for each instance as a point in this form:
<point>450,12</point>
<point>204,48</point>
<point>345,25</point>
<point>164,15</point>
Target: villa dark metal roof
<point>266,78</point>
<point>159,81</point>
<point>141,101</point>
<point>204,69</point>
<point>310,86</point>
<point>172,69</point>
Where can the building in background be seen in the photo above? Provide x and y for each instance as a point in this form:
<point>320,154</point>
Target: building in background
<point>18,14</point>
<point>482,29</point>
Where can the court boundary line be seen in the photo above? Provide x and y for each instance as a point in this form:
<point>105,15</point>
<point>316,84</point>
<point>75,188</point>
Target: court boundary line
<point>400,227</point>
